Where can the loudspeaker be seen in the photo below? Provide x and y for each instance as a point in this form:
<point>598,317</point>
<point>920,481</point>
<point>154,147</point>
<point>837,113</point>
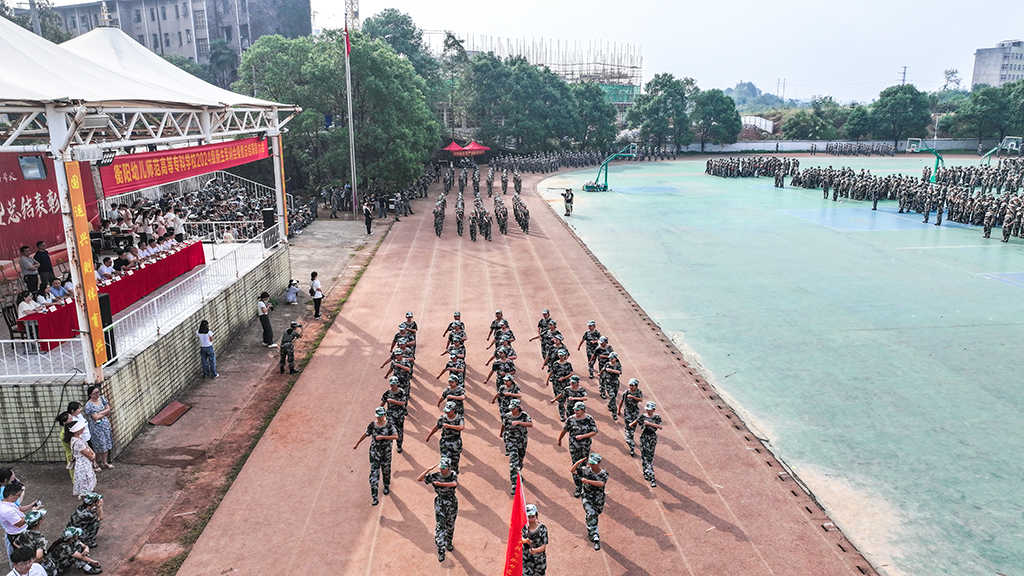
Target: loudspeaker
<point>107,318</point>
<point>269,218</point>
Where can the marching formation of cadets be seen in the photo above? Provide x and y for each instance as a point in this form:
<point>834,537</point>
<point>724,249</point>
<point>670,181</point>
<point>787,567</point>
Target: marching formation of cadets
<point>480,220</point>
<point>513,422</point>
<point>986,196</point>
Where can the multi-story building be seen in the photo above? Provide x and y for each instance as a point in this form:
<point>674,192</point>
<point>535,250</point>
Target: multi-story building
<point>186,27</point>
<point>999,65</point>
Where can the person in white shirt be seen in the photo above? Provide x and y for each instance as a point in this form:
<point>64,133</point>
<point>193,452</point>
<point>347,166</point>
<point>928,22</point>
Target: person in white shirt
<point>107,269</point>
<point>44,296</point>
<point>23,563</point>
<point>26,305</point>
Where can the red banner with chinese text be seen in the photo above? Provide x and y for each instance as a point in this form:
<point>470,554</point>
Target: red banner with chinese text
<point>137,171</point>
<point>80,224</point>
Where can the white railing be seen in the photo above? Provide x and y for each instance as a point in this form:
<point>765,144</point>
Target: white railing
<point>40,358</point>
<point>161,313</point>
<point>214,231</point>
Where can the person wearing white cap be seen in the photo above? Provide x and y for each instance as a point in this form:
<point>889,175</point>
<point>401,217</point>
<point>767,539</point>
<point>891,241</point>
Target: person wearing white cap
<point>446,503</point>
<point>535,544</point>
<point>382,432</point>
<point>85,475</point>
<point>650,423</point>
<point>594,479</point>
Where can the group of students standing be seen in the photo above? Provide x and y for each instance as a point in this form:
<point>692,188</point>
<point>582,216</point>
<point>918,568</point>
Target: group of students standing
<point>588,474</point>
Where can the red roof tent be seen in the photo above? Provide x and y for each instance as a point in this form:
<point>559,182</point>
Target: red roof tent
<point>453,147</point>
<point>479,148</point>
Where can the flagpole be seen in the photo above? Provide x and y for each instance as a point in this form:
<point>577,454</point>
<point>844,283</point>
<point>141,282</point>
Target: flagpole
<point>351,129</point>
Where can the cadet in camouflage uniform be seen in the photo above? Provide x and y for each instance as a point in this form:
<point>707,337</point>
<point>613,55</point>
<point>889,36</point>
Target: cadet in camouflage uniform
<point>455,367</point>
<point>535,544</point>
<point>572,393</point>
<point>382,433</point>
<point>610,383</point>
<point>454,393</point>
<point>560,372</point>
<point>629,407</point>
<point>288,347</point>
<point>651,423</point>
<point>446,503</point>
<point>604,351</point>
<point>32,537</point>
<point>581,429</point>
<point>68,551</point>
<point>395,401</point>
<point>451,424</point>
<point>590,337</point>
<point>495,326</point>
<point>542,327</point>
<point>594,479</point>
<point>507,391</point>
<point>88,517</point>
<point>502,365</point>
<point>515,426</point>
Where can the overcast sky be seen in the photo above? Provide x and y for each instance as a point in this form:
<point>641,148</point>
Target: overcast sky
<point>850,50</point>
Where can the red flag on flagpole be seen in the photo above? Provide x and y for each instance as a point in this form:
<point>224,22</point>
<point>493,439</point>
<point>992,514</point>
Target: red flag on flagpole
<point>514,552</point>
<point>348,43</point>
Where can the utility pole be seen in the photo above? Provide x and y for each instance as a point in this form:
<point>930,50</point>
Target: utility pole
<point>904,80</point>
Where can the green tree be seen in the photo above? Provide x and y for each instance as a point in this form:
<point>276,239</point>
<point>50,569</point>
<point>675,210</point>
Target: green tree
<point>196,69</point>
<point>223,62</point>
<point>455,70</point>
<point>662,111</point>
<point>858,123</point>
<point>522,106</point>
<point>50,23</point>
<point>597,116</point>
<point>983,114</point>
<point>1014,94</point>
<point>715,118</point>
<point>806,125</point>
<point>400,32</point>
<point>901,112</point>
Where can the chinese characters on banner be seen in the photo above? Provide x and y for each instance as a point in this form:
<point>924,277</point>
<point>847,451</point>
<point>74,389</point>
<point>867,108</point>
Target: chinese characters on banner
<point>30,209</point>
<point>137,171</point>
<point>80,224</point>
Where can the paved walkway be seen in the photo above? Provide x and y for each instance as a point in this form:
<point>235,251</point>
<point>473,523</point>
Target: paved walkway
<point>301,504</point>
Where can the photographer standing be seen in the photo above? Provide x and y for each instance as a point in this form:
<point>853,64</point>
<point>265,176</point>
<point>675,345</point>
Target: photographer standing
<point>568,196</point>
<point>288,347</point>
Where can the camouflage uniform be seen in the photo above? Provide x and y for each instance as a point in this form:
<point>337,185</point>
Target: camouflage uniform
<point>504,396</point>
<point>451,440</point>
<point>85,517</point>
<point>535,564</point>
<point>630,412</point>
<point>648,442</point>
<point>380,455</point>
<point>396,412</point>
<point>515,438</point>
<point>446,508</point>
<point>560,370</point>
<point>591,337</point>
<point>60,557</point>
<point>288,349</point>
<point>610,385</point>
<point>579,448</point>
<point>460,409</point>
<point>34,540</point>
<point>593,498</point>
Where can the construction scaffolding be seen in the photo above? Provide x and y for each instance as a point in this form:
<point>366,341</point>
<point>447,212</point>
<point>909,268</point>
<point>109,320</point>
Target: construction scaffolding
<point>617,68</point>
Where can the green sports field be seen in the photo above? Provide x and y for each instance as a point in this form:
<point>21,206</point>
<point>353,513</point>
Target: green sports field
<point>879,356</point>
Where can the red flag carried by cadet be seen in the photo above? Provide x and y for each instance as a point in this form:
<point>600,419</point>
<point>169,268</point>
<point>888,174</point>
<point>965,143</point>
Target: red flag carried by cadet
<point>514,552</point>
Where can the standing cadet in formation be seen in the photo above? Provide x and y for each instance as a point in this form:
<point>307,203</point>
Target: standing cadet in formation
<point>651,423</point>
<point>515,425</point>
<point>382,433</point>
<point>581,429</point>
<point>590,337</point>
<point>454,393</point>
<point>455,367</point>
<point>594,479</point>
<point>395,401</point>
<point>446,503</point>
<point>451,424</point>
<point>535,544</point>
<point>508,390</point>
<point>629,407</point>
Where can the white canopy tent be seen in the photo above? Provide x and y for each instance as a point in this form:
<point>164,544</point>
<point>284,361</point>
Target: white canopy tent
<point>104,93</point>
